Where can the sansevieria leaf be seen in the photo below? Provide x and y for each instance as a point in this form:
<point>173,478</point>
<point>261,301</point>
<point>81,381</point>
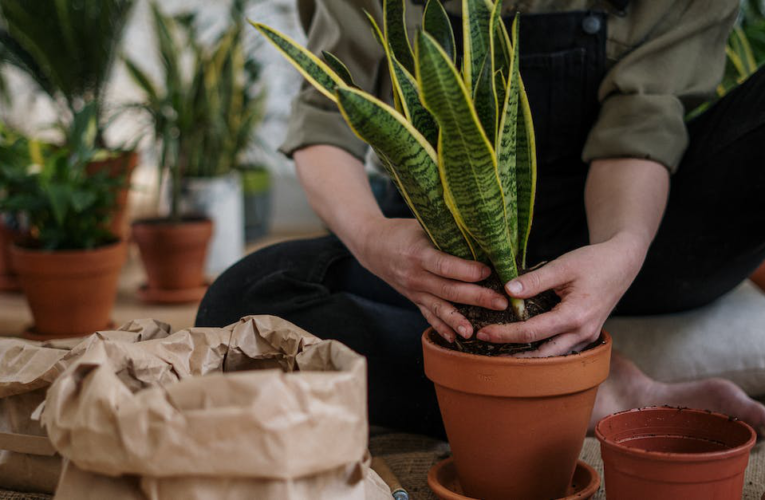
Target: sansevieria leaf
<point>435,21</point>
<point>485,100</point>
<point>339,68</point>
<point>501,54</point>
<point>412,163</point>
<point>313,69</point>
<point>394,29</point>
<point>467,162</point>
<point>476,20</point>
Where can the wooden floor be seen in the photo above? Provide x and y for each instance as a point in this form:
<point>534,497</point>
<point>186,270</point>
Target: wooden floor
<point>15,315</point>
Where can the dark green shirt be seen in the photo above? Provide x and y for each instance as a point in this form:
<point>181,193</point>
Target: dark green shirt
<point>664,58</point>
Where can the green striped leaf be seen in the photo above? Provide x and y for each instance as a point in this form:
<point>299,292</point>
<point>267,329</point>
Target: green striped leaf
<point>311,67</point>
<point>468,166</point>
<point>339,68</point>
<point>501,53</point>
<point>476,20</point>
<point>435,21</point>
<point>394,28</point>
<point>485,100</point>
<point>411,162</point>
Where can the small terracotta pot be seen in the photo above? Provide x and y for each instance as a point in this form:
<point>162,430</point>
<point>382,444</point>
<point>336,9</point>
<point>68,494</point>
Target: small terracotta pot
<point>758,277</point>
<point>516,426</point>
<point>8,280</point>
<point>174,257</point>
<point>71,293</point>
<point>121,165</point>
<point>665,453</point>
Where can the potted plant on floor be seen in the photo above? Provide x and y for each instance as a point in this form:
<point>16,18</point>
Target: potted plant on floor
<point>69,263</point>
<point>68,49</point>
<point>460,148</point>
<point>203,117</point>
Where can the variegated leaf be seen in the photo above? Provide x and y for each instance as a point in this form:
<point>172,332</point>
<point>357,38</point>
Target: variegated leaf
<point>411,162</point>
<point>338,67</point>
<point>394,29</point>
<point>485,100</point>
<point>476,20</point>
<point>467,163</point>
<point>435,21</point>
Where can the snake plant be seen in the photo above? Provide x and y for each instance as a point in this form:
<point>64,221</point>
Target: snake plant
<point>459,141</point>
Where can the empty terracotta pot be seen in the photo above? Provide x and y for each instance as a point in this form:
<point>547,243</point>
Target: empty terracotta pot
<point>515,426</point>
<point>174,257</point>
<point>665,453</point>
<point>71,293</point>
<point>121,164</point>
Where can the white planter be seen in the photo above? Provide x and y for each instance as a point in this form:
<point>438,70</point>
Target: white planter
<point>220,199</point>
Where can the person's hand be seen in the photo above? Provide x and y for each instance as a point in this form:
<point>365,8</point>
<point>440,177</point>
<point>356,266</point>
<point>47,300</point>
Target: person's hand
<point>590,281</point>
<point>400,253</point>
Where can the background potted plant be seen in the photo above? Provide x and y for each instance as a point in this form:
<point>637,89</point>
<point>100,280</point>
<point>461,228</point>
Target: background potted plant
<point>203,117</point>
<point>69,262</point>
<point>68,49</point>
<point>460,148</point>
<point>14,160</point>
<point>256,187</point>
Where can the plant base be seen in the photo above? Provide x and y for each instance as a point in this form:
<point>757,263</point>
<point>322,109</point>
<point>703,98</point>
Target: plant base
<point>31,333</point>
<point>443,481</point>
<point>178,296</point>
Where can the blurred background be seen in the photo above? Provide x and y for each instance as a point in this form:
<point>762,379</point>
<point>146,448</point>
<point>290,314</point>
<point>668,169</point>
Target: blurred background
<point>149,130</point>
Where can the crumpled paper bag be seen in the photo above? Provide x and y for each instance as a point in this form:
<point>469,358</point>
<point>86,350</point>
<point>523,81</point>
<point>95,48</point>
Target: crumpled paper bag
<point>259,409</point>
<point>28,462</point>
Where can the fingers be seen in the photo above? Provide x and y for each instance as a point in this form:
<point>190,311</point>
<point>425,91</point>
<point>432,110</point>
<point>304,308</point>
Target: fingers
<point>448,266</point>
<point>443,316</point>
<point>556,346</point>
<point>559,320</point>
<point>545,278</point>
<point>463,293</point>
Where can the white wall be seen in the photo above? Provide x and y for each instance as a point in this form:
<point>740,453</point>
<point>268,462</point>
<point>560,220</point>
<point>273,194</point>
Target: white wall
<point>33,112</point>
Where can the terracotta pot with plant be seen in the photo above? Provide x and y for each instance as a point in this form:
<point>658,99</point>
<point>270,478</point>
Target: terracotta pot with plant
<point>69,263</point>
<point>460,148</point>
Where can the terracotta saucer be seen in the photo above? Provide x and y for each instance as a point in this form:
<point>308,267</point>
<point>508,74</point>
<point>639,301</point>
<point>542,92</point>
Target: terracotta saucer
<point>442,479</point>
<point>31,333</point>
<point>180,296</point>
<point>9,283</point>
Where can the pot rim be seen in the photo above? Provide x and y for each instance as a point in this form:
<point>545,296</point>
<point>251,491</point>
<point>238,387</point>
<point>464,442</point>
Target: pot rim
<point>674,456</point>
<point>18,249</point>
<point>505,360</point>
<point>165,222</point>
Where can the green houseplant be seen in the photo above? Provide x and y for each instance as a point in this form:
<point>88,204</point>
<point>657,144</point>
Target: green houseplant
<point>203,117</point>
<point>459,145</point>
<point>68,49</point>
<point>69,262</point>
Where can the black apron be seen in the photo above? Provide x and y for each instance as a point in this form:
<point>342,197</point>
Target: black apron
<point>563,60</point>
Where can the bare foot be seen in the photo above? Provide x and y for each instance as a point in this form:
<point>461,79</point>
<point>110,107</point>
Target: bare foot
<point>627,387</point>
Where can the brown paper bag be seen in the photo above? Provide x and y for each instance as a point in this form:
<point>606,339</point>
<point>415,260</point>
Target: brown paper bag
<point>28,462</point>
<point>260,409</point>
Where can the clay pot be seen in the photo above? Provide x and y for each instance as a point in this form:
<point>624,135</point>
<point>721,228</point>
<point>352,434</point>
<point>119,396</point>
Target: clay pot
<point>174,257</point>
<point>122,164</point>
<point>758,277</point>
<point>515,426</point>
<point>71,293</point>
<point>8,279</point>
<point>665,453</point>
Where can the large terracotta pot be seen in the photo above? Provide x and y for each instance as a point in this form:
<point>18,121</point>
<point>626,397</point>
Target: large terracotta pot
<point>665,453</point>
<point>122,164</point>
<point>71,293</point>
<point>174,257</point>
<point>8,279</point>
<point>515,426</point>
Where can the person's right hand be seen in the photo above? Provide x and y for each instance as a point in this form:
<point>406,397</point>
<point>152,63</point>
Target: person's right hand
<point>400,253</point>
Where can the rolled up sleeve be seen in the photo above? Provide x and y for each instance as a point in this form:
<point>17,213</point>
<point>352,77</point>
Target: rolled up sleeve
<point>339,27</point>
<point>677,62</point>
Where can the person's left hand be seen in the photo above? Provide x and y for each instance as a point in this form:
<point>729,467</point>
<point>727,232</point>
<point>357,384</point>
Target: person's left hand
<point>590,281</point>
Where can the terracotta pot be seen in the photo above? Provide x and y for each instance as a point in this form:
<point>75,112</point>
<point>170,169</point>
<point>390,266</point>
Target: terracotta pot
<point>8,279</point>
<point>758,277</point>
<point>516,426</point>
<point>71,293</point>
<point>665,453</point>
<point>174,257</point>
<point>121,165</point>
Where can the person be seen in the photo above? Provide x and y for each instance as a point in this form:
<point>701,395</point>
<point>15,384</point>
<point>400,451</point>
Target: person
<point>637,211</point>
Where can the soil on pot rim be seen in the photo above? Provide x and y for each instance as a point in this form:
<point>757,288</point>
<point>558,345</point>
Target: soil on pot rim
<point>480,317</point>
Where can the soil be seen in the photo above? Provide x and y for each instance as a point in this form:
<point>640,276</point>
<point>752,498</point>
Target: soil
<point>480,317</point>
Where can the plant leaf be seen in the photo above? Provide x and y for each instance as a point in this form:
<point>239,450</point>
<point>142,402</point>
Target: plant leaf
<point>394,29</point>
<point>411,162</point>
<point>476,20</point>
<point>435,21</point>
<point>468,166</point>
<point>311,67</point>
<point>338,67</point>
<point>485,100</point>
